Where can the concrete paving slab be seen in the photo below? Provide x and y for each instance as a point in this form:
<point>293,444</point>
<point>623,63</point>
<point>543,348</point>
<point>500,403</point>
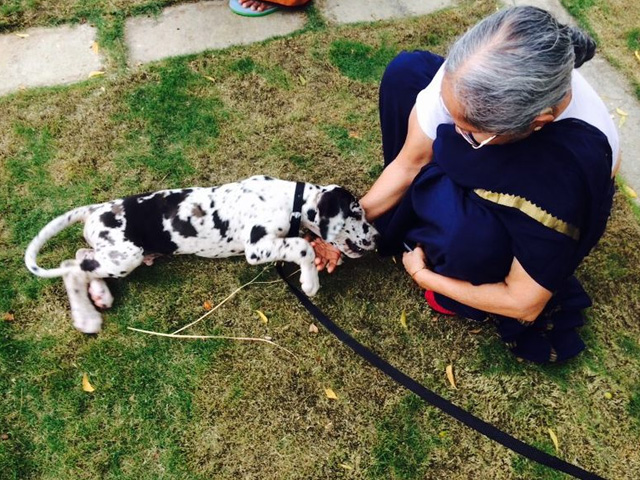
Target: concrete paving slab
<point>350,11</point>
<point>196,27</point>
<point>618,95</point>
<point>47,56</point>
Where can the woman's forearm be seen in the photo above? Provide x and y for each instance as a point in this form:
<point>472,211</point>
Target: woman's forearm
<point>515,297</point>
<point>387,191</point>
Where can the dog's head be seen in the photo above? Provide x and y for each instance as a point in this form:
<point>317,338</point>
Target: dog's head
<point>342,223</point>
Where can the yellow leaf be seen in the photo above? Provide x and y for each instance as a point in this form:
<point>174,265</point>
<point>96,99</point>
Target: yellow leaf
<point>207,305</point>
<point>622,121</point>
<point>211,79</point>
<point>86,386</point>
<point>475,331</point>
<point>629,191</point>
<point>345,466</point>
<point>450,376</point>
<point>554,439</point>
<point>22,35</point>
<point>354,134</point>
<point>619,111</point>
<point>303,81</point>
<point>96,73</point>
<point>313,328</point>
<point>95,47</point>
<point>608,395</point>
<point>330,394</point>
<point>403,319</point>
<point>9,317</point>
<point>637,54</point>
<point>263,317</point>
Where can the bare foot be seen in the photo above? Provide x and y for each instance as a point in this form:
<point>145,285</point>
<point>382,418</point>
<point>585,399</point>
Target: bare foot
<point>255,5</point>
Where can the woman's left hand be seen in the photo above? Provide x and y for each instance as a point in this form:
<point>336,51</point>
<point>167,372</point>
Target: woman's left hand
<point>414,261</point>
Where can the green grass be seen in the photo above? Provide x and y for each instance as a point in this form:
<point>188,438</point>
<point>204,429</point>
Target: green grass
<point>300,107</point>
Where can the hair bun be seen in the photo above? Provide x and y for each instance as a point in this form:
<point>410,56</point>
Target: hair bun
<point>583,46</point>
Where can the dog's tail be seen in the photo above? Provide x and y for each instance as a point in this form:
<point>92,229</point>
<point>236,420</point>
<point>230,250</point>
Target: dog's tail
<point>54,227</point>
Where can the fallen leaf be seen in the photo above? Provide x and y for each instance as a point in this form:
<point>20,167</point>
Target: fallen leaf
<point>22,35</point>
<point>443,434</point>
<point>211,79</point>
<point>475,331</point>
<point>263,317</point>
<point>345,466</point>
<point>622,121</point>
<point>95,47</point>
<point>637,54</point>
<point>96,73</point>
<point>353,134</point>
<point>86,386</point>
<point>330,394</point>
<point>450,376</point>
<point>608,395</point>
<point>554,439</point>
<point>629,191</point>
<point>619,111</point>
<point>403,319</point>
<point>8,317</point>
<point>207,305</point>
<point>313,328</point>
<point>303,81</point>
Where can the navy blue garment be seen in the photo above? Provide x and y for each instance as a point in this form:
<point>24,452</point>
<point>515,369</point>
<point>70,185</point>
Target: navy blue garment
<point>544,200</point>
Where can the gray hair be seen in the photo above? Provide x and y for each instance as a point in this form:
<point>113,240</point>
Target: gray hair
<point>513,65</point>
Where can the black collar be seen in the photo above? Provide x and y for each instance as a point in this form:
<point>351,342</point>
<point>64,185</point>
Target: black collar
<point>296,213</point>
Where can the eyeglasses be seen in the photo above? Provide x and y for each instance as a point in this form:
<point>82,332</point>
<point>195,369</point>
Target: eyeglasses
<point>468,136</point>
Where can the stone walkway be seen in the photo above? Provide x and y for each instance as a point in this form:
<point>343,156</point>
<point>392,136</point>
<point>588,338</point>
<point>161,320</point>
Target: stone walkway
<point>63,55</point>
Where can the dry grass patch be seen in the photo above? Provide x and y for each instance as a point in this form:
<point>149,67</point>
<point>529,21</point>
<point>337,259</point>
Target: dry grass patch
<point>617,27</point>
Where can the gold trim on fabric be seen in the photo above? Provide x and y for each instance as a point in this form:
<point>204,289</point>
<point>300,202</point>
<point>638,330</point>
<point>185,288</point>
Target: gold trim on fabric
<point>530,209</point>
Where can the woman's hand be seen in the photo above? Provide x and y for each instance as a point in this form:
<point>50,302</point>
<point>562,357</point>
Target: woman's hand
<point>327,256</point>
<point>414,261</point>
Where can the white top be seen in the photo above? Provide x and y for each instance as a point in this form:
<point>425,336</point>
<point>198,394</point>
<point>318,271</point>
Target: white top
<point>585,105</point>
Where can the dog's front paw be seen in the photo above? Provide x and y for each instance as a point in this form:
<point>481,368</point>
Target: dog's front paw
<point>100,294</point>
<point>87,321</point>
<point>309,281</point>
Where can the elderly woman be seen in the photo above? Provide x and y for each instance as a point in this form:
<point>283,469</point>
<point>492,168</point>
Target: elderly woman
<point>498,171</point>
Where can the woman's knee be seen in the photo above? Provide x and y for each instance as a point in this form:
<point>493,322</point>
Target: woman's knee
<point>411,70</point>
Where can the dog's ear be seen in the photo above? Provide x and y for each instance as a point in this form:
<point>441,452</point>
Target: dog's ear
<point>333,208</point>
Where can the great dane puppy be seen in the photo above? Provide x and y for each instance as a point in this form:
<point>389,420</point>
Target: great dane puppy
<point>250,217</point>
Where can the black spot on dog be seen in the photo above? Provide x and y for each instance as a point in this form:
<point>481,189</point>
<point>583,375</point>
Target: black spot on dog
<point>303,253</point>
<point>109,220</point>
<point>89,265</point>
<point>311,214</point>
<point>261,198</point>
<point>267,178</point>
<point>365,228</point>
<point>257,233</point>
<point>104,234</point>
<point>220,224</point>
<point>197,211</point>
<point>144,220</point>
<point>254,256</point>
<point>184,227</point>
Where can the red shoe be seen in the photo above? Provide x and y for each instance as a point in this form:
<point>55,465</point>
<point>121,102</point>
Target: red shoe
<point>430,297</point>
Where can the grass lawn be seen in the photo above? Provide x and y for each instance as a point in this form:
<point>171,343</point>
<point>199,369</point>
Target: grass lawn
<point>299,107</point>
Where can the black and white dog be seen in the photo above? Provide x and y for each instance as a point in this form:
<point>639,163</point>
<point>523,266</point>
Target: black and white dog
<point>250,217</point>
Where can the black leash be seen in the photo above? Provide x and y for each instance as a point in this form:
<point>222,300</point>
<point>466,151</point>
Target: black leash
<point>406,381</point>
<point>436,400</point>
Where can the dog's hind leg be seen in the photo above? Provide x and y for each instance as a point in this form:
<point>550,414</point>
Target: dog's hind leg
<point>85,316</point>
<point>98,289</point>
